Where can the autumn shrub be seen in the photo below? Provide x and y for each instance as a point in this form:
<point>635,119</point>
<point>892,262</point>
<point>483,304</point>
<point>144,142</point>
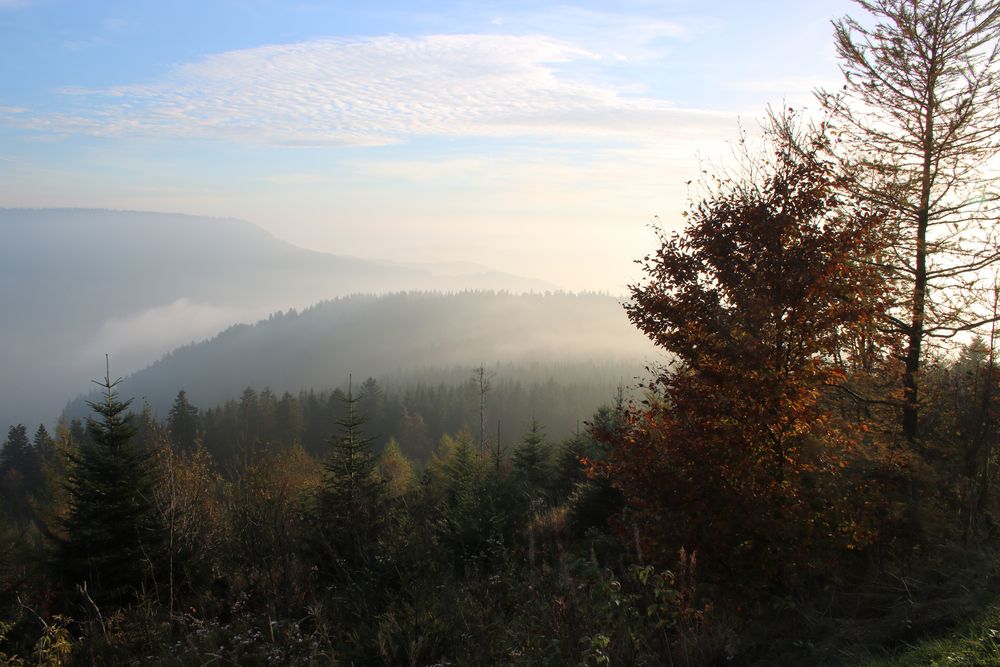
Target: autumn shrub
<point>736,452</point>
<point>51,645</point>
<point>561,607</point>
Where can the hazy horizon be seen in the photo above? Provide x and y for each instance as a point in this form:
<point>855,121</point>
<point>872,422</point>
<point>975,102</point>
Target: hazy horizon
<point>410,143</point>
<point>537,139</point>
<point>82,283</point>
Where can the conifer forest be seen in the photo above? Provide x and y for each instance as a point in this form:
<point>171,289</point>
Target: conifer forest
<point>779,446</point>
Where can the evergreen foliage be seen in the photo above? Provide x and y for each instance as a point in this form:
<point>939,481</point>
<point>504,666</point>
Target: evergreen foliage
<point>539,335</point>
<point>755,457</point>
<point>532,460</point>
<point>416,415</point>
<point>353,512</point>
<point>593,501</point>
<point>44,444</point>
<point>474,515</point>
<point>113,532</point>
<point>183,423</point>
<point>17,448</point>
<point>568,467</point>
<point>20,471</point>
<point>288,421</point>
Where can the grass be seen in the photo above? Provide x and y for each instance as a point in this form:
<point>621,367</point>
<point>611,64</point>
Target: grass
<point>974,643</point>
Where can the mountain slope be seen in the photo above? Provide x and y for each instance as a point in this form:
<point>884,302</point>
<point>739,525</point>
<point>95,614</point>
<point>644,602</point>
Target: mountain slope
<point>394,334</point>
<point>76,284</point>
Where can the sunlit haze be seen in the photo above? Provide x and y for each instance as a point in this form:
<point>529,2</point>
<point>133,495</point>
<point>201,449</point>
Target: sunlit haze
<point>539,139</point>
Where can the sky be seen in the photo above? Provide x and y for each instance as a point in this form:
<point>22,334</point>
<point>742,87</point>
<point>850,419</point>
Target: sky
<point>543,139</point>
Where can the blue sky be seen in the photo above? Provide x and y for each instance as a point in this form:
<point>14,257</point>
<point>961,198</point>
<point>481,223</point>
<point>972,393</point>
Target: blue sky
<point>538,138</point>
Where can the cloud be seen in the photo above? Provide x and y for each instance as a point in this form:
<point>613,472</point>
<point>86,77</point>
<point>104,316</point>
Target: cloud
<point>368,91</point>
<point>12,4</point>
<point>619,35</point>
<point>135,339</point>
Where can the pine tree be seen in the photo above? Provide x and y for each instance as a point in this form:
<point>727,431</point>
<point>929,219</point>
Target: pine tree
<point>594,501</point>
<point>20,471</point>
<point>249,421</point>
<point>17,449</point>
<point>463,475</point>
<point>531,460</point>
<point>289,424</point>
<point>183,423</point>
<point>353,512</point>
<point>78,432</point>
<point>475,512</point>
<point>113,533</point>
<point>372,403</point>
<point>569,470</point>
<point>44,444</point>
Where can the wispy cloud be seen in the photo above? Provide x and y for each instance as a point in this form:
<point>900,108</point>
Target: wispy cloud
<point>369,91</point>
<point>13,4</point>
<point>620,35</point>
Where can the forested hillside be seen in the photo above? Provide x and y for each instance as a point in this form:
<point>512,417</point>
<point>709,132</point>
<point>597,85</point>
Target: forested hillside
<point>414,414</point>
<point>805,472</point>
<point>406,338</point>
<point>78,283</point>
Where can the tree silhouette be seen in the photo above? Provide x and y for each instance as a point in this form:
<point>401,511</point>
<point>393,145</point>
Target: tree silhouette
<point>532,461</point>
<point>918,120</point>
<point>182,420</point>
<point>20,471</point>
<point>352,516</point>
<point>736,454</point>
<point>113,533</point>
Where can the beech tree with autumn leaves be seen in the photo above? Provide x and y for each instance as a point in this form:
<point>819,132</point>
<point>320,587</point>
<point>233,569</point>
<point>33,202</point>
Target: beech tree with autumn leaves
<point>798,302</point>
<point>741,449</point>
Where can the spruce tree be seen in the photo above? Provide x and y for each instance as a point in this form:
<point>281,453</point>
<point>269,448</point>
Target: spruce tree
<point>569,470</point>
<point>373,404</point>
<point>20,471</point>
<point>113,533</point>
<point>480,510</point>
<point>44,444</point>
<point>17,449</point>
<point>531,460</point>
<point>352,516</point>
<point>289,423</point>
<point>182,420</point>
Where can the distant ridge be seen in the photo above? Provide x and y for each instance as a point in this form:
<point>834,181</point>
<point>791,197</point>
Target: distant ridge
<point>393,334</point>
<point>78,283</point>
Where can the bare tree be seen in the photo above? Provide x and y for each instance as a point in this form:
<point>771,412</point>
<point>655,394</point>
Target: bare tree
<point>918,122</point>
<point>481,382</point>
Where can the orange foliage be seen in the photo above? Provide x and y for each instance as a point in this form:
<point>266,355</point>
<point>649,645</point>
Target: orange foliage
<point>737,453</point>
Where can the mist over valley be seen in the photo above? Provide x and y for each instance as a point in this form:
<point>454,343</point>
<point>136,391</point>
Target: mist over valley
<point>78,284</point>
